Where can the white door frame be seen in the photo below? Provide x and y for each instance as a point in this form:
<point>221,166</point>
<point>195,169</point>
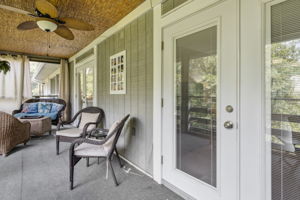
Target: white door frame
<point>251,95</point>
<point>90,60</point>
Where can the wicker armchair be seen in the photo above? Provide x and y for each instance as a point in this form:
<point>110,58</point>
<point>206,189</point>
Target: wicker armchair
<point>81,129</point>
<point>92,148</point>
<point>12,133</point>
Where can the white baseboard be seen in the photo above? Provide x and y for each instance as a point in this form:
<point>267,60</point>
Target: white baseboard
<point>138,168</point>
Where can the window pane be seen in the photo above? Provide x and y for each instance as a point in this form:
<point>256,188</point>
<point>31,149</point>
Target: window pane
<point>196,57</point>
<point>285,100</point>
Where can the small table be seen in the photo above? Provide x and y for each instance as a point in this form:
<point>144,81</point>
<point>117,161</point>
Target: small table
<point>99,133</point>
<point>39,126</point>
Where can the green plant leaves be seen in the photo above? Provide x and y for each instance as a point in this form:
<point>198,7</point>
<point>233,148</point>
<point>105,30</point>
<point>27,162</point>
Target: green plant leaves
<point>4,66</point>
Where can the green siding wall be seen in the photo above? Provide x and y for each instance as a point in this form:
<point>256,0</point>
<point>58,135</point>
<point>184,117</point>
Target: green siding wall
<point>137,39</point>
<point>169,5</point>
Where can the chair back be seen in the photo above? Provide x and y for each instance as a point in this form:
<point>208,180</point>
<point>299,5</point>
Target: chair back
<point>117,131</point>
<point>90,110</point>
<point>47,100</point>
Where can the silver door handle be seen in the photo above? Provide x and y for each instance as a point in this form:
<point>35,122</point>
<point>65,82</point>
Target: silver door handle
<point>228,124</point>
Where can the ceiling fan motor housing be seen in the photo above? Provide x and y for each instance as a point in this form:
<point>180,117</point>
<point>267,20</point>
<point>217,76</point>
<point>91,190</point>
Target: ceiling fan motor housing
<point>47,25</point>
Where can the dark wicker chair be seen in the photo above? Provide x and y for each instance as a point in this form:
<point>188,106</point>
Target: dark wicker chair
<point>69,135</point>
<point>58,101</point>
<point>91,148</point>
<point>12,133</point>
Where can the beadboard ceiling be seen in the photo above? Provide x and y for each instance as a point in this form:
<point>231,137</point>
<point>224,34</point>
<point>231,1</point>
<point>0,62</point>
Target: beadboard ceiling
<point>102,14</point>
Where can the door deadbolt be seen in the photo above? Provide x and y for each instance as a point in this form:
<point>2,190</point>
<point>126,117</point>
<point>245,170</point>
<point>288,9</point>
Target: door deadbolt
<point>229,108</point>
<point>228,124</point>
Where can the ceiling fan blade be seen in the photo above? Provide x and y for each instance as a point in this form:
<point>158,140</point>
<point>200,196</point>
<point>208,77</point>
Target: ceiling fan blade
<point>53,2</point>
<point>17,10</point>
<point>64,32</point>
<point>77,24</point>
<point>46,7</point>
<point>27,25</point>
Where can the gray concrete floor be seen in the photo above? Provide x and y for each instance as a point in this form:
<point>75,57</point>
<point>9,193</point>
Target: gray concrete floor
<point>34,172</point>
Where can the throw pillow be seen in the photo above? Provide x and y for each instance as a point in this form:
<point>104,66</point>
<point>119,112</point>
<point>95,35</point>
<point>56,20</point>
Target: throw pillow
<point>30,108</point>
<point>56,107</point>
<point>87,118</point>
<point>44,107</point>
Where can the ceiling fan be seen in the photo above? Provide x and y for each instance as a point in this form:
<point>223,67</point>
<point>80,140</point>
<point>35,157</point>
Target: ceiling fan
<point>47,18</point>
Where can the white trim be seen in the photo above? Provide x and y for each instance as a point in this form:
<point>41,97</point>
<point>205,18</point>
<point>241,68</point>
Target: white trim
<point>252,139</point>
<point>157,95</point>
<point>141,9</point>
<point>187,9</point>
<point>95,100</point>
<point>176,8</point>
<point>138,168</point>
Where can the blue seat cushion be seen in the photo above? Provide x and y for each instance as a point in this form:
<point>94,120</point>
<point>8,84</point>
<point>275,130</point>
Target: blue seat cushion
<point>53,116</point>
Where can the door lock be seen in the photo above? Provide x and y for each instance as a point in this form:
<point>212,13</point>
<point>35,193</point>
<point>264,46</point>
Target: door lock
<point>229,108</point>
<point>228,124</point>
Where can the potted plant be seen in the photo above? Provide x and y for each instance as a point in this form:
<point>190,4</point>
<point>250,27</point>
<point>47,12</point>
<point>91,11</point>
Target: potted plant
<point>4,66</point>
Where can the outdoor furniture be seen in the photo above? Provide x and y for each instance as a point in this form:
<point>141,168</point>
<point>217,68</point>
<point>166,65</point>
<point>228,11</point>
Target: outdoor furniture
<point>39,126</point>
<point>12,132</point>
<point>92,148</point>
<point>88,119</point>
<point>52,108</point>
<point>102,133</point>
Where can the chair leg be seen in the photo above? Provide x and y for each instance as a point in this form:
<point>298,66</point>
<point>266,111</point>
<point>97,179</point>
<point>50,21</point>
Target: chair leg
<point>71,172</point>
<point>98,161</point>
<point>57,145</point>
<point>87,162</point>
<point>118,157</point>
<point>113,173</point>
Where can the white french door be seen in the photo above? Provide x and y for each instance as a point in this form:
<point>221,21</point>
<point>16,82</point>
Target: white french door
<point>200,134</point>
<point>85,85</point>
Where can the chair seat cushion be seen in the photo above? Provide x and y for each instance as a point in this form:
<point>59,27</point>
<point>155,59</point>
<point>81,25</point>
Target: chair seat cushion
<point>90,150</point>
<point>72,132</point>
<point>53,116</point>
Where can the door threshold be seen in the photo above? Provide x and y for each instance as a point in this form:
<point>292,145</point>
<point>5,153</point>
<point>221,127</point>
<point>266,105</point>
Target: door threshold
<point>177,190</point>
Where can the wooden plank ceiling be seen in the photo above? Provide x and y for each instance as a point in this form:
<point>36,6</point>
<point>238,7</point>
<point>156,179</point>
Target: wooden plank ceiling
<point>102,14</point>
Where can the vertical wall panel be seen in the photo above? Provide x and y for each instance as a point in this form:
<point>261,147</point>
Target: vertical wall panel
<point>149,91</point>
<point>137,39</point>
<point>141,119</point>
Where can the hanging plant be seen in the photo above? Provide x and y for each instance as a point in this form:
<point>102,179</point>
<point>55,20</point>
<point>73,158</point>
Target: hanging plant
<point>4,66</point>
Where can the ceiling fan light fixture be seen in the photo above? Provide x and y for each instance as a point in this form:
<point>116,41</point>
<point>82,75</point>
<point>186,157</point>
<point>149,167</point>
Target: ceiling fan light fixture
<point>46,25</point>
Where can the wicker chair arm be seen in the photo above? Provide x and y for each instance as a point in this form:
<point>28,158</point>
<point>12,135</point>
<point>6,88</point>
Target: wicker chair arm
<point>85,129</point>
<point>16,111</point>
<point>60,123</point>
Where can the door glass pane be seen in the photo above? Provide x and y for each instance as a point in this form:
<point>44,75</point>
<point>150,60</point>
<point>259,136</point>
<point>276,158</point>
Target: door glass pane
<point>283,79</point>
<point>196,78</point>
<point>89,86</point>
<point>81,90</point>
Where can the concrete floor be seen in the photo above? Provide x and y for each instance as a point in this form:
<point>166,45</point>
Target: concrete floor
<point>34,172</point>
